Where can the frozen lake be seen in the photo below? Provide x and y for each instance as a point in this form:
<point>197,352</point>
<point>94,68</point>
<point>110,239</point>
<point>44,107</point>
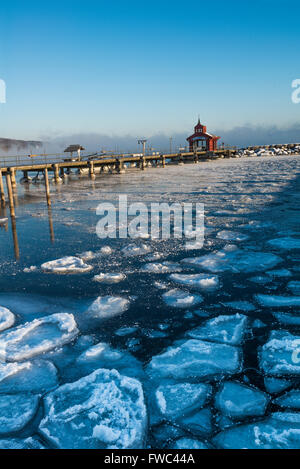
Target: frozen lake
<point>153,345</point>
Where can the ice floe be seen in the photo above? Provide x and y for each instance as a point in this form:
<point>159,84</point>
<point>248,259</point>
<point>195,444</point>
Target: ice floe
<point>7,318</point>
<point>37,376</point>
<point>281,430</point>
<point>101,410</point>
<point>277,300</point>
<point>16,411</point>
<point>126,331</point>
<point>18,443</point>
<point>161,268</point>
<point>238,401</point>
<point>276,385</point>
<point>197,281</point>
<point>171,401</point>
<point>199,423</point>
<point>181,299</point>
<point>222,329</point>
<point>289,400</point>
<point>136,250</point>
<point>66,265</point>
<point>188,443</point>
<point>280,355</point>
<point>279,273</point>
<point>285,243</point>
<point>234,260</point>
<point>109,278</point>
<point>241,305</point>
<point>105,307</point>
<point>294,287</point>
<point>195,360</point>
<point>37,337</point>
<point>232,236</point>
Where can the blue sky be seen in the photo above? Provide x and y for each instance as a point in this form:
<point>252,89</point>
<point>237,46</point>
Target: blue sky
<point>141,68</point>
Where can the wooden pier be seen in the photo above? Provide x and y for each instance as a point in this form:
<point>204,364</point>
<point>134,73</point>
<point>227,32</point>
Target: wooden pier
<point>60,167</point>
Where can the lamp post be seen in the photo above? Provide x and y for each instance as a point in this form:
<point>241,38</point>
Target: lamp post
<point>143,141</point>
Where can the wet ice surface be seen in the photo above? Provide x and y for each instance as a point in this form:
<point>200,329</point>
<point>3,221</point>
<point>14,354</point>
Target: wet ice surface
<point>210,336</point>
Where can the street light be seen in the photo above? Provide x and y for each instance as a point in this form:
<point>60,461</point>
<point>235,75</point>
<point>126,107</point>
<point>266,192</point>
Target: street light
<point>143,141</point>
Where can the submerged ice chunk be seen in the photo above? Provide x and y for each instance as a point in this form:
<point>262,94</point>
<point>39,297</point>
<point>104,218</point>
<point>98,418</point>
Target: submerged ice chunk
<point>105,307</point>
<point>294,286</point>
<point>234,260</point>
<point>241,305</point>
<point>101,410</point>
<point>36,377</point>
<point>16,411</point>
<point>181,299</point>
<point>279,431</point>
<point>188,443</point>
<point>7,318</point>
<point>109,278</point>
<point>197,281</point>
<point>280,355</point>
<point>277,301</point>
<point>223,329</point>
<point>198,423</point>
<point>232,236</point>
<point>238,401</point>
<point>195,359</point>
<point>285,243</point>
<point>36,337</point>
<point>66,265</point>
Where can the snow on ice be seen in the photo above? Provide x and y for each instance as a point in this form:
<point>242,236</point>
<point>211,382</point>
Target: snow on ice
<point>101,410</point>
<point>37,337</point>
<point>66,265</point>
<point>222,329</point>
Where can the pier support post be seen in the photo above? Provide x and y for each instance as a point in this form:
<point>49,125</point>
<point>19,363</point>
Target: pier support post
<point>2,196</point>
<point>62,172</point>
<point>47,187</point>
<point>142,163</point>
<point>13,177</point>
<point>120,167</point>
<point>25,176</point>
<point>196,158</point>
<point>163,161</point>
<point>10,195</point>
<point>56,173</point>
<point>91,169</point>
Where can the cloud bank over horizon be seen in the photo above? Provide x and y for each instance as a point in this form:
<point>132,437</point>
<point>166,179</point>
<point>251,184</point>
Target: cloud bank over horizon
<point>242,136</point>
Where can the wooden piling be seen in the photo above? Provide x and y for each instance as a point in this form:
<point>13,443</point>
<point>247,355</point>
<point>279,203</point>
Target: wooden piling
<point>163,161</point>
<point>56,173</point>
<point>10,195</point>
<point>61,172</point>
<point>91,169</point>
<point>13,178</point>
<point>2,195</point>
<point>47,187</point>
<point>15,238</point>
<point>52,239</point>
<point>142,163</point>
